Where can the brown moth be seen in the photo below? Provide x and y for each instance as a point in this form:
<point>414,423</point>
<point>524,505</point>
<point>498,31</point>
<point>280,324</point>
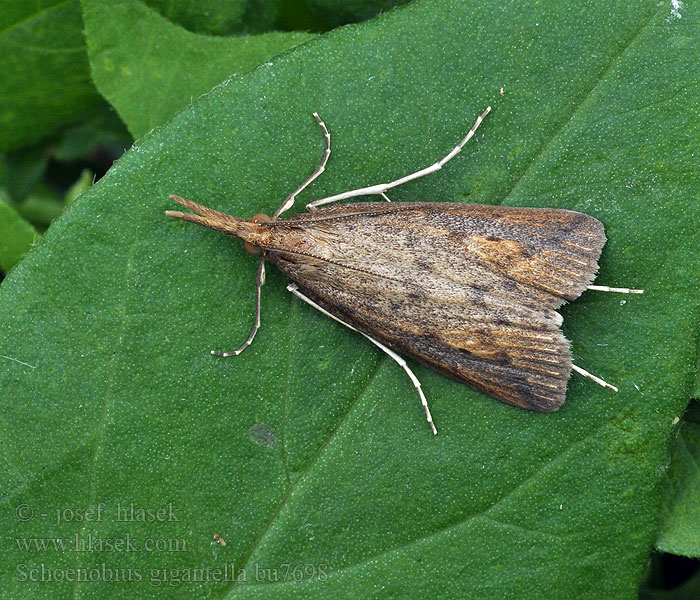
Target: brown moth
<point>468,290</point>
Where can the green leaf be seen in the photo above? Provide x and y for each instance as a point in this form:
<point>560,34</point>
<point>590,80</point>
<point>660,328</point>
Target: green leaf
<point>41,207</point>
<point>45,75</point>
<point>259,16</point>
<point>309,453</point>
<point>81,185</point>
<point>680,526</point>
<point>149,68</point>
<point>219,17</point>
<point>16,236</point>
<point>339,12</point>
<point>216,17</point>
<point>25,169</point>
<point>100,129</point>
<point>296,15</point>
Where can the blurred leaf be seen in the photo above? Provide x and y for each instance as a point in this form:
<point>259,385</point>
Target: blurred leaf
<point>214,17</point>
<point>101,128</point>
<point>310,450</point>
<point>680,526</point>
<point>82,185</point>
<point>25,168</point>
<point>219,17</point>
<point>340,12</point>
<point>16,236</point>
<point>45,75</point>
<point>259,16</point>
<point>296,15</point>
<point>149,68</point>
<point>41,207</point>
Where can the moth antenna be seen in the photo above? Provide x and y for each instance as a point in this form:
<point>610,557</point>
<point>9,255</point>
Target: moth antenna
<point>259,281</point>
<point>292,287</point>
<point>289,200</point>
<point>598,380</point>
<point>197,208</point>
<point>383,187</point>
<point>219,221</point>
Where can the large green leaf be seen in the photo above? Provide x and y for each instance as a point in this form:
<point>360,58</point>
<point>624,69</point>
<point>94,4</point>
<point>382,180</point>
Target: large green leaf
<point>45,75</point>
<point>149,68</point>
<point>309,453</point>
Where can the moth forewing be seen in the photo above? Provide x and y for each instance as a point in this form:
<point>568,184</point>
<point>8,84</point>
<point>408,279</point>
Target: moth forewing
<point>468,290</point>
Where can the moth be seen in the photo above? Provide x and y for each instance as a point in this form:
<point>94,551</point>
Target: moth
<point>468,290</point>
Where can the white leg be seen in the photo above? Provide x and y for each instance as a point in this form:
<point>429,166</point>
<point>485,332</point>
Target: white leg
<point>598,380</point>
<point>259,280</point>
<point>383,187</point>
<point>289,200</point>
<point>292,287</point>
<point>605,288</point>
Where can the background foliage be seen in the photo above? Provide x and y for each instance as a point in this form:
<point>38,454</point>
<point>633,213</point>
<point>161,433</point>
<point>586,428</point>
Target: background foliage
<point>308,453</point>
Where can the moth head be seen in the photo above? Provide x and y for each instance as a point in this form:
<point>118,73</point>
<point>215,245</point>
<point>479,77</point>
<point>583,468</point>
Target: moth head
<point>257,219</point>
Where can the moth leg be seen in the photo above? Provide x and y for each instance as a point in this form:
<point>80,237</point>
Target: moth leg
<point>292,287</point>
<point>598,380</point>
<point>259,280</point>
<point>605,288</point>
<point>289,200</point>
<point>383,187</point>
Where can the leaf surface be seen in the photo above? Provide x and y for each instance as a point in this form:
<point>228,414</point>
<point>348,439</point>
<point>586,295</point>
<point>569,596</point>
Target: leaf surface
<point>309,451</point>
<point>149,68</point>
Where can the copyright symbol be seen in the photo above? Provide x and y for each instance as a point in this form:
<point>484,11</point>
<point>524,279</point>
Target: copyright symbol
<point>24,512</point>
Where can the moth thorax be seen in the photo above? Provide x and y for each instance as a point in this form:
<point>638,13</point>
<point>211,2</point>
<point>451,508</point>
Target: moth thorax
<point>257,219</point>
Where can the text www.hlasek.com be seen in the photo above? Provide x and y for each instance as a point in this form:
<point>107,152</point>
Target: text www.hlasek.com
<point>90,543</point>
